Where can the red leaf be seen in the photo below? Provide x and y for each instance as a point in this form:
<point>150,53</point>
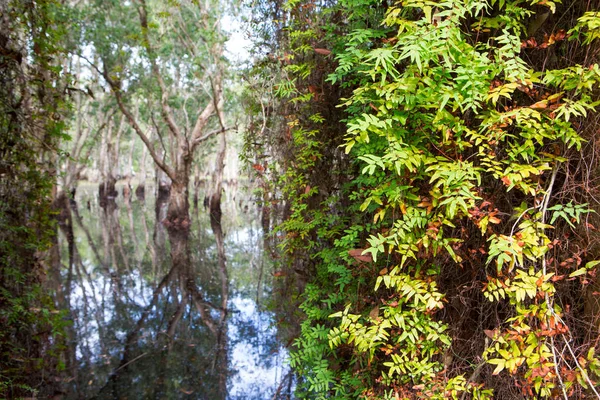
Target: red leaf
<point>495,220</point>
<point>324,52</point>
<point>489,333</point>
<point>540,104</point>
<point>358,256</point>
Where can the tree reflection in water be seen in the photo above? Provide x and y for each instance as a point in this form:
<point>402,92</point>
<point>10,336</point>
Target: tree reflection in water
<point>160,313</point>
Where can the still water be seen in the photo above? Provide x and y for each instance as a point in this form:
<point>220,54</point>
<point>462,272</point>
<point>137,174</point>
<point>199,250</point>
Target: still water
<point>165,315</point>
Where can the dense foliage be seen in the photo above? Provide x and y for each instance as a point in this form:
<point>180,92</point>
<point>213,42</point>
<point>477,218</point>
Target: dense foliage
<point>451,252</point>
<point>432,162</point>
<point>32,110</point>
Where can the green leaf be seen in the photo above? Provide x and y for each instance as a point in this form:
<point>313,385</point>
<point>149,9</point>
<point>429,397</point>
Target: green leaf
<point>500,364</point>
<point>580,271</point>
<point>591,264</point>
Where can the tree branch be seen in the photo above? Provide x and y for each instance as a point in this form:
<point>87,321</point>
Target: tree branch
<point>209,135</point>
<point>215,105</point>
<point>201,124</point>
<point>131,120</point>
<point>166,111</point>
<point>159,134</point>
<point>168,170</point>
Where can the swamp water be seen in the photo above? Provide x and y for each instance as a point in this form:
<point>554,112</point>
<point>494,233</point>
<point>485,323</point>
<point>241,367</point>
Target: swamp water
<point>167,315</point>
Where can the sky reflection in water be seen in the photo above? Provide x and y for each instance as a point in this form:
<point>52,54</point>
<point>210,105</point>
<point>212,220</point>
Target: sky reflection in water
<point>147,327</point>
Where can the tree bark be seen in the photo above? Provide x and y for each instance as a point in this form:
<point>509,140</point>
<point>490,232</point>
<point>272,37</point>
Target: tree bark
<point>178,211</point>
<point>140,191</point>
<point>109,161</point>
<point>217,181</point>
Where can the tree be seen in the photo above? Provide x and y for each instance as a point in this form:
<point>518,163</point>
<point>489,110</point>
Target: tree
<point>91,120</point>
<point>167,61</point>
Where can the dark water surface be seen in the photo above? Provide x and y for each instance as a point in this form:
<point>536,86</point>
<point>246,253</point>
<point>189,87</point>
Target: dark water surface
<point>163,315</point>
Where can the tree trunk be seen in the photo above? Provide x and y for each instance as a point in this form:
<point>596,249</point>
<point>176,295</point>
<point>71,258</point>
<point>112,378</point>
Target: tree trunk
<point>196,186</point>
<point>178,211</point>
<point>140,191</point>
<point>163,183</point>
<point>217,181</point>
<point>109,161</point>
<point>128,175</point>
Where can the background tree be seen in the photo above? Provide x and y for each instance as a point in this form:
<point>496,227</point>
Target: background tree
<point>91,119</point>
<point>164,65</point>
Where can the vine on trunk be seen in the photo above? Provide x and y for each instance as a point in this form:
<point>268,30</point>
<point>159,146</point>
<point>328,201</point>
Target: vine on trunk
<point>454,258</point>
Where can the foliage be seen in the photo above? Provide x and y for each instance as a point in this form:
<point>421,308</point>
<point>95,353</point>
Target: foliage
<point>32,106</point>
<point>462,128</point>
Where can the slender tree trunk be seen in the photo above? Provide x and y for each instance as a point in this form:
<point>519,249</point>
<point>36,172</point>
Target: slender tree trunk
<point>129,172</point>
<point>109,156</point>
<point>196,185</point>
<point>140,191</point>
<point>217,180</point>
<point>103,161</point>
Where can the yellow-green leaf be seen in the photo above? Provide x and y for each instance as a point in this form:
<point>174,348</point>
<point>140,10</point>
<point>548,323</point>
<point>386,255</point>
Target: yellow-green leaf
<point>580,271</point>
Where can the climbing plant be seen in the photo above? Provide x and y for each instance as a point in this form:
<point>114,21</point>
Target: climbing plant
<point>445,265</point>
<point>33,106</point>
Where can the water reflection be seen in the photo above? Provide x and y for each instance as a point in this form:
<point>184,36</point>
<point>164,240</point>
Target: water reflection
<point>160,313</point>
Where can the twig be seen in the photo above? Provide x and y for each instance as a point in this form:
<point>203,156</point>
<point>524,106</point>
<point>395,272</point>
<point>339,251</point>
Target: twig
<point>475,373</point>
<point>280,387</point>
<point>129,362</point>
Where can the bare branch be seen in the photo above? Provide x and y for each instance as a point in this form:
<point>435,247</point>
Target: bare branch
<point>160,138</point>
<point>201,123</point>
<point>186,39</point>
<point>215,105</point>
<point>168,170</point>
<point>210,134</point>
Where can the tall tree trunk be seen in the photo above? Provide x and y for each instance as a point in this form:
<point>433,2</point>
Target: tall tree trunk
<point>109,156</point>
<point>141,187</point>
<point>129,172</point>
<point>217,180</point>
<point>196,185</point>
